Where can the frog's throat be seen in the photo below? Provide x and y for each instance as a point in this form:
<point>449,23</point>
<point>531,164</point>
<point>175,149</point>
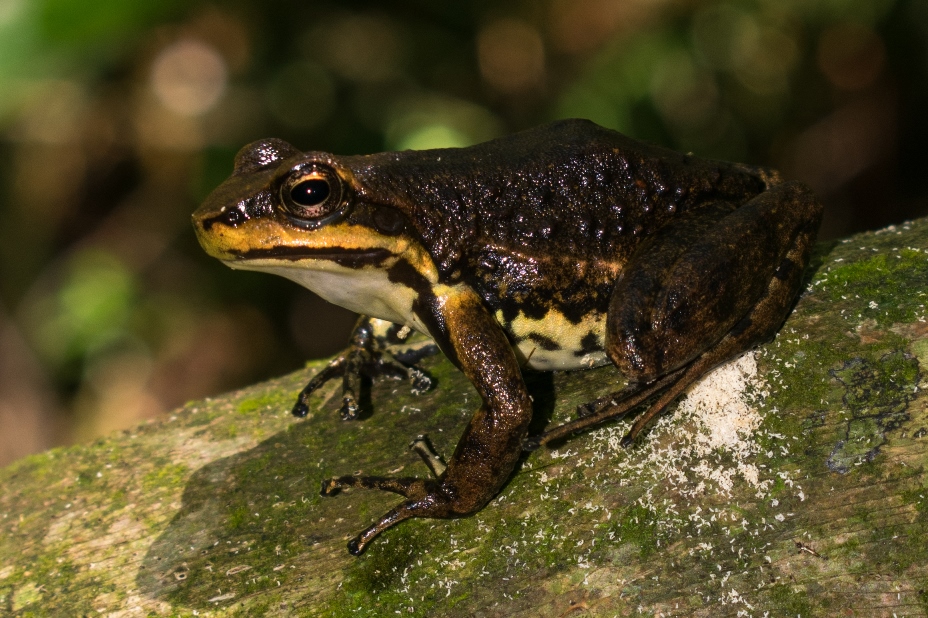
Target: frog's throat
<point>367,289</point>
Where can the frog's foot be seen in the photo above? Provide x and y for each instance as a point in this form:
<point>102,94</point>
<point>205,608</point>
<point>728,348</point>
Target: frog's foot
<point>614,406</point>
<point>595,407</point>
<point>424,497</point>
<point>366,356</point>
<point>336,367</point>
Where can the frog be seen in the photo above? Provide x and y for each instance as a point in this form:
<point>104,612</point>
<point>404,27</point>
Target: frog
<point>563,247</point>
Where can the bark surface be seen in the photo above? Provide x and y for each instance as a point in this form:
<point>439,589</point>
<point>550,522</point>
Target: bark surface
<point>790,482</point>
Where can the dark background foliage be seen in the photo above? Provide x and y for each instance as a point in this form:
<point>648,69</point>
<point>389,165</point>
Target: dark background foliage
<point>118,117</point>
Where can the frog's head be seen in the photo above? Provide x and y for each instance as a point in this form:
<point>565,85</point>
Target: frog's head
<point>306,216</point>
<point>283,205</point>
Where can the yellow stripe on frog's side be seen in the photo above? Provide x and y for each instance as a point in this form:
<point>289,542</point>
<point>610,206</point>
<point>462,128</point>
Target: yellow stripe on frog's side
<point>569,336</point>
<point>253,236</point>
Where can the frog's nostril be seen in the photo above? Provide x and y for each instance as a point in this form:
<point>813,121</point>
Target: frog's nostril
<point>262,153</point>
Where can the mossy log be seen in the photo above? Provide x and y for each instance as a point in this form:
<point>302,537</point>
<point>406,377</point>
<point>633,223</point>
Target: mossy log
<point>789,483</point>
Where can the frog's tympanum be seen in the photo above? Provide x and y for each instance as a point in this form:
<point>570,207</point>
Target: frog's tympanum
<point>563,247</point>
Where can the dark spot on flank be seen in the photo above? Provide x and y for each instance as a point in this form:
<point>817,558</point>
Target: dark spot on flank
<point>741,326</point>
<point>545,343</point>
<point>588,345</point>
<point>787,266</point>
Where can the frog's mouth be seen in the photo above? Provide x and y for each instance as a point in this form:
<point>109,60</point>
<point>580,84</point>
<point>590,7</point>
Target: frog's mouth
<point>343,256</point>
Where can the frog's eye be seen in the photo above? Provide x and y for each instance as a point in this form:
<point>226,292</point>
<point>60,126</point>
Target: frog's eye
<point>313,196</point>
<point>310,193</point>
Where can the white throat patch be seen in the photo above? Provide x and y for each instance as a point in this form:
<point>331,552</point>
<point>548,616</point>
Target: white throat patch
<point>366,290</point>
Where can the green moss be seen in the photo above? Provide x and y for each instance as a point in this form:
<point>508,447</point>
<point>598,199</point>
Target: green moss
<point>636,524</point>
<point>116,501</point>
<point>884,283</point>
<point>258,606</point>
<point>226,431</point>
<point>26,595</point>
<point>382,568</point>
<point>918,498</point>
<point>166,475</point>
<point>269,401</point>
<point>50,577</point>
<point>796,371</point>
<point>789,602</point>
<point>887,384</point>
<point>237,518</point>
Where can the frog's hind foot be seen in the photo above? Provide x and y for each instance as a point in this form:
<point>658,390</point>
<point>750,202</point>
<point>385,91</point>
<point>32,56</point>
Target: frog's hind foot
<point>424,498</point>
<point>408,487</point>
<point>598,406</point>
<point>614,406</point>
<point>367,356</point>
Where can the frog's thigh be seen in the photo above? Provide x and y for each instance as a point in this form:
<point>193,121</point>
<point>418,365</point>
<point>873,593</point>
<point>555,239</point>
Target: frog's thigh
<point>694,282</point>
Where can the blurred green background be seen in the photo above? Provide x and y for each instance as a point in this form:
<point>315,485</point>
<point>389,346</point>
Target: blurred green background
<point>117,117</point>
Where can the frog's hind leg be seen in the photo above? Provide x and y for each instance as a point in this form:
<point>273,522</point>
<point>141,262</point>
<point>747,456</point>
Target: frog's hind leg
<point>699,294</point>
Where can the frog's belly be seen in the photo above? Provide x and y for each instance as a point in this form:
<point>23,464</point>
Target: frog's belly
<point>555,343</point>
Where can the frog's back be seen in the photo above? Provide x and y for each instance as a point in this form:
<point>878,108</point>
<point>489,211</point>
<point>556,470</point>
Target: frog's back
<point>573,187</point>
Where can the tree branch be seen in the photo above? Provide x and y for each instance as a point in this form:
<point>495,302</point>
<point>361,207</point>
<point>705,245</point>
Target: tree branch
<point>791,482</point>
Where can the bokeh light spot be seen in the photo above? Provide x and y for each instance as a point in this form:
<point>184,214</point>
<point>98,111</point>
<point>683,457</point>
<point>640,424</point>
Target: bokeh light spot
<point>90,309</point>
<point>189,77</point>
<point>429,121</point>
<point>721,35</point>
<point>766,65</point>
<point>434,136</point>
<point>10,10</point>
<point>578,27</point>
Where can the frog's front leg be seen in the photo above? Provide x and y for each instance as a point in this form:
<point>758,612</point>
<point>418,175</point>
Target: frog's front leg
<point>704,290</point>
<point>488,450</point>
<point>366,355</point>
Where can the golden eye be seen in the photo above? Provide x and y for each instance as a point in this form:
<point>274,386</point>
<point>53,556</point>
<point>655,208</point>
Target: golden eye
<point>313,196</point>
